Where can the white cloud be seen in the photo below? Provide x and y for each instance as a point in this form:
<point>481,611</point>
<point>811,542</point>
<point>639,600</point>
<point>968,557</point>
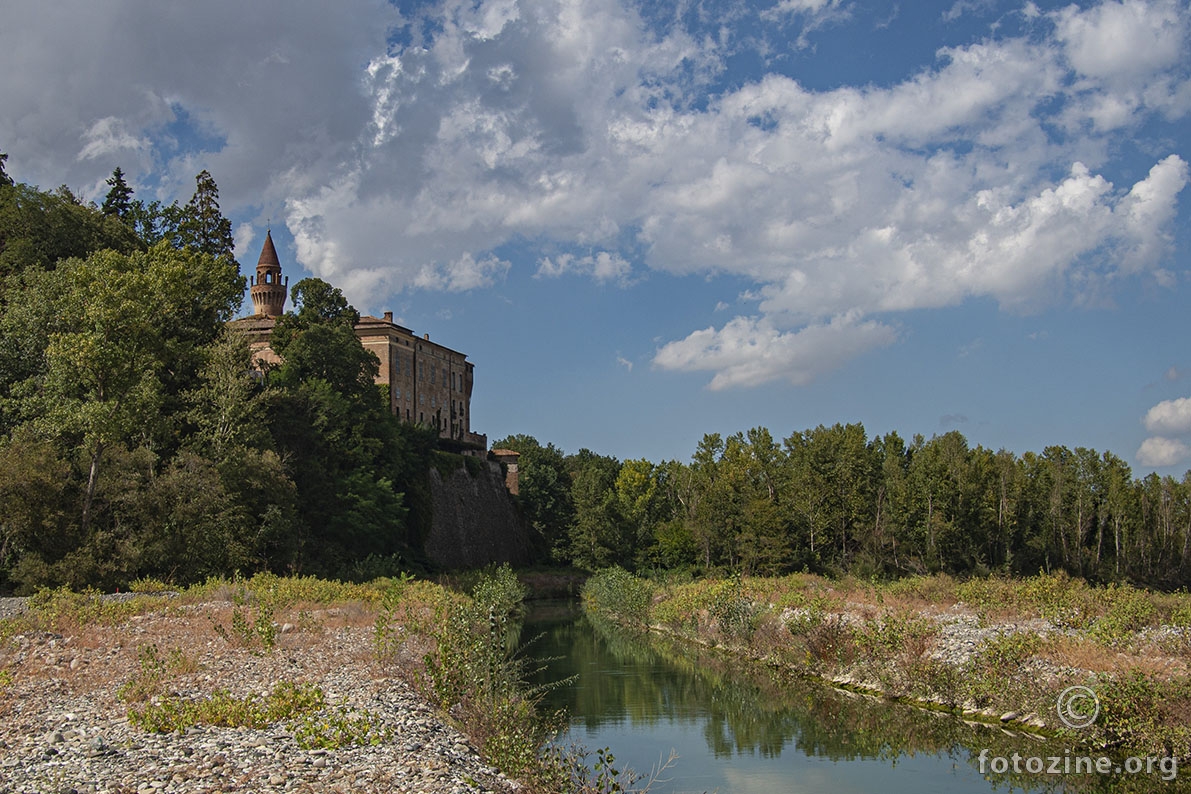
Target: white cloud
<point>402,162</point>
<point>602,267</point>
<point>1158,451</point>
<point>1170,417</point>
<point>750,351</point>
<point>1168,420</point>
<point>107,136</point>
<point>464,273</point>
<point>1116,40</point>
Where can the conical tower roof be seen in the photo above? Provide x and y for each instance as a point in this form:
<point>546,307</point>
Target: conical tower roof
<point>268,253</point>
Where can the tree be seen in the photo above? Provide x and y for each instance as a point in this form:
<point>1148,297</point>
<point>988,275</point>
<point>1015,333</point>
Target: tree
<point>202,224</point>
<point>331,424</point>
<point>597,536</point>
<point>545,494</point>
<point>38,228</point>
<point>119,199</point>
<point>110,363</point>
<point>5,179</point>
<point>638,503</point>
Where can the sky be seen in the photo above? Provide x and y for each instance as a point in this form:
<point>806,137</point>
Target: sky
<point>645,222</point>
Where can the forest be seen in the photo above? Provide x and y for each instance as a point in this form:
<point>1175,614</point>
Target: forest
<point>136,441</point>
<point>832,500</point>
<point>135,438</point>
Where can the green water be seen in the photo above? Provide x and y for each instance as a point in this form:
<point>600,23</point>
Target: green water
<point>739,729</point>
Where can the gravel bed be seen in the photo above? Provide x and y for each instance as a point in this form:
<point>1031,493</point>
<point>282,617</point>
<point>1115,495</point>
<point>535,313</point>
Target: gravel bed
<point>64,728</point>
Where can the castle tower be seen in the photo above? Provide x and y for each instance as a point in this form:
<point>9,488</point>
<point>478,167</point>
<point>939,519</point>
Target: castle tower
<point>268,293</point>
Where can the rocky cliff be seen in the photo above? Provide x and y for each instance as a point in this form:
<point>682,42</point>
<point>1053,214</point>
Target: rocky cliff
<point>475,520</point>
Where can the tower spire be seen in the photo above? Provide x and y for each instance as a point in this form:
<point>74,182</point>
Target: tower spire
<point>268,292</point>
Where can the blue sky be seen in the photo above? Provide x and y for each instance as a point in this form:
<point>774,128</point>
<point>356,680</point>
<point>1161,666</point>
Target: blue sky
<point>644,222</point>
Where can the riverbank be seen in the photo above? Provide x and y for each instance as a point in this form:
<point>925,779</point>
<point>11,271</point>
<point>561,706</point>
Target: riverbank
<point>999,651</point>
<point>80,678</point>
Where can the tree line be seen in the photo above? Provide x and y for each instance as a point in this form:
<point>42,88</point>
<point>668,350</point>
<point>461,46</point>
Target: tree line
<point>136,440</point>
<point>833,500</point>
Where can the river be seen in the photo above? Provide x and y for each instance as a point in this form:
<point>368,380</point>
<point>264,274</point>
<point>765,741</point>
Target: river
<point>738,728</point>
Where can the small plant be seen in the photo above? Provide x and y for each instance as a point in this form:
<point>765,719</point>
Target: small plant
<point>62,609</point>
<point>250,626</point>
<point>175,713</point>
<point>995,677</point>
<point>569,771</point>
<point>1129,610</point>
<point>339,728</point>
<point>148,585</point>
<point>153,672</point>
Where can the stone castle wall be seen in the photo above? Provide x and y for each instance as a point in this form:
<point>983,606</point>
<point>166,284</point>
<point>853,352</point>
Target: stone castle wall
<point>475,521</point>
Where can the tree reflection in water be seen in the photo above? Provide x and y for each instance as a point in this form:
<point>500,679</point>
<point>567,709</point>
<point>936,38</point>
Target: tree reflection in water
<point>746,710</point>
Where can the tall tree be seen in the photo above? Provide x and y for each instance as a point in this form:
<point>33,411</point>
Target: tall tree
<point>598,536</point>
<point>332,426</point>
<point>118,201</point>
<point>5,179</point>
<point>202,225</point>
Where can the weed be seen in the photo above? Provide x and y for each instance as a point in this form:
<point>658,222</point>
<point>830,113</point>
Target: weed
<point>287,700</point>
<point>341,727</point>
<point>153,671</point>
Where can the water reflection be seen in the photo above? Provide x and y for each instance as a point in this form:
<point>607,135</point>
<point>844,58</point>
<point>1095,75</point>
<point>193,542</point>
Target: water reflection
<point>740,728</point>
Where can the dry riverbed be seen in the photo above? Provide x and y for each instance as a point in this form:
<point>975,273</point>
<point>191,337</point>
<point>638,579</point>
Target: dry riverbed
<point>65,698</point>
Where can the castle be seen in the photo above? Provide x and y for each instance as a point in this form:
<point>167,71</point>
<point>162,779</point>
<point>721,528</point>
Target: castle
<point>429,384</point>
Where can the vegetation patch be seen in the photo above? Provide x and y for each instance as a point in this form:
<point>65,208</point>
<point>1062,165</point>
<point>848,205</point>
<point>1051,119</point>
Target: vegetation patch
<point>1038,636</point>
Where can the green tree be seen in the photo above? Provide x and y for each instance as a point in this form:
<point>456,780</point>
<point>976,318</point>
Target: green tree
<point>598,535</point>
<point>638,503</point>
<point>37,229</point>
<point>118,201</point>
<point>329,421</point>
<point>109,360</point>
<point>545,494</point>
<point>202,225</point>
<point>5,179</point>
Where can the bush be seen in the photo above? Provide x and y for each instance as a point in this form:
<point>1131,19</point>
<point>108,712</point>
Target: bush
<point>618,594</point>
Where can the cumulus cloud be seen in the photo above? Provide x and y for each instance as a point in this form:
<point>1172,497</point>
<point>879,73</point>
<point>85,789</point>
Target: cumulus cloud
<point>604,266</point>
<point>750,351</point>
<point>402,148</point>
<point>1170,421</point>
<point>1170,417</point>
<point>1158,451</point>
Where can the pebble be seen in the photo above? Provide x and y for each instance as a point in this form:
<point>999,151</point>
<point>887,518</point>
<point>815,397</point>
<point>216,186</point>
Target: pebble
<point>63,728</point>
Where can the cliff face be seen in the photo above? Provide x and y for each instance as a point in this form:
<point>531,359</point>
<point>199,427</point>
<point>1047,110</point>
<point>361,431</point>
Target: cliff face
<point>475,521</point>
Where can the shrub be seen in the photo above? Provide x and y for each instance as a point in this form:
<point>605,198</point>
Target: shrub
<point>617,593</point>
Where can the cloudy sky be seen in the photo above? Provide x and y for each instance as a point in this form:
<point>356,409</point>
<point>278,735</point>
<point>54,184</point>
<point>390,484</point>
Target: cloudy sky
<point>645,222</point>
